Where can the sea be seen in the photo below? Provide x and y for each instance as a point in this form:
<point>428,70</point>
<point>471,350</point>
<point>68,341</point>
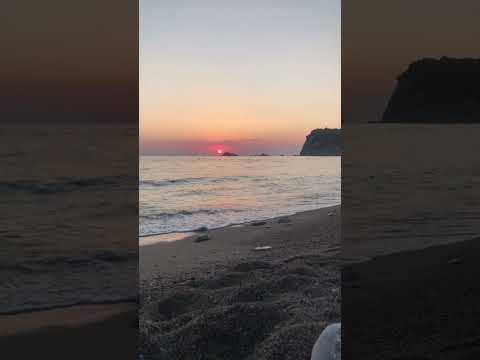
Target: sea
<point>183,193</point>
<point>68,215</point>
<point>409,186</point>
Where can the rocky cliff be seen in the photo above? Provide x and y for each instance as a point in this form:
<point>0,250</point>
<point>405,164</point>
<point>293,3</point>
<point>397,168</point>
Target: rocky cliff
<point>323,142</point>
<point>437,91</point>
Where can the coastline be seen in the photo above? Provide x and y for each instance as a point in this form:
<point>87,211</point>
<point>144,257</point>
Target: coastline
<point>256,299</point>
<point>243,236</point>
<point>151,239</point>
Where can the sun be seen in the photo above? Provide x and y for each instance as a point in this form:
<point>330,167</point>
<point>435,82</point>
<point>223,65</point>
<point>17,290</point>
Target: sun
<point>219,151</point>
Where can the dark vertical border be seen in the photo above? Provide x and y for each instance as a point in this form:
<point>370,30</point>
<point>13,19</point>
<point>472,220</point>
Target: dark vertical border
<point>69,183</point>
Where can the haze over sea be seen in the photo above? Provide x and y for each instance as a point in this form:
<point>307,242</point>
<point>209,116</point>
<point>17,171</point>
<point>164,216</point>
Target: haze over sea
<point>183,193</point>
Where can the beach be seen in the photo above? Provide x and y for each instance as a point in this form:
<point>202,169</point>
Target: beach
<point>220,298</point>
<point>93,331</point>
<point>420,304</point>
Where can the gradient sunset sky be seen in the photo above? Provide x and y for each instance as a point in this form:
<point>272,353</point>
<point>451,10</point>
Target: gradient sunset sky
<point>245,76</point>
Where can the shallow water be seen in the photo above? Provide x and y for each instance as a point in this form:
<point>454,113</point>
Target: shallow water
<point>183,193</point>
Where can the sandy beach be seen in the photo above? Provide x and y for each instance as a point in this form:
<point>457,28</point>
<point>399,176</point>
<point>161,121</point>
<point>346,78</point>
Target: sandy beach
<point>420,304</point>
<point>222,299</point>
<point>94,331</point>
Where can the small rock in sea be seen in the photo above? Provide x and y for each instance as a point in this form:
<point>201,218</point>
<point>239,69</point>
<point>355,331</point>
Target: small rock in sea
<point>201,229</point>
<point>283,220</point>
<point>202,238</point>
<point>330,214</point>
<point>262,248</point>
<point>259,223</point>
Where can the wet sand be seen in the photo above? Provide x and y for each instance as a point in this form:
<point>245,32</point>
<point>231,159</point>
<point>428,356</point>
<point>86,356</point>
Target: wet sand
<point>222,299</point>
<point>96,331</point>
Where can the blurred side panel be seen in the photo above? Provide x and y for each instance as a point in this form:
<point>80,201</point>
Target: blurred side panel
<point>410,200</point>
<point>69,179</point>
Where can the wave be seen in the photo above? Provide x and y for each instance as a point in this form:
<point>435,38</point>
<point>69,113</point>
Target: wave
<point>64,185</point>
<point>62,305</point>
<point>48,264</point>
<point>192,180</point>
<point>161,215</point>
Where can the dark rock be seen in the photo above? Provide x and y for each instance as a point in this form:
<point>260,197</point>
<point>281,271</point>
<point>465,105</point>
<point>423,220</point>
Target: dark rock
<point>437,91</point>
<point>202,238</point>
<point>229,154</point>
<point>201,229</point>
<point>323,142</point>
<point>259,223</point>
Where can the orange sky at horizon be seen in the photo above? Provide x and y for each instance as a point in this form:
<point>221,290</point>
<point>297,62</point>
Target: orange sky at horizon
<point>229,74</point>
<point>216,115</point>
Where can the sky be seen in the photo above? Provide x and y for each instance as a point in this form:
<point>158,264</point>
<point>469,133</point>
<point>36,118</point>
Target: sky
<point>246,76</point>
<point>69,62</point>
<point>381,38</point>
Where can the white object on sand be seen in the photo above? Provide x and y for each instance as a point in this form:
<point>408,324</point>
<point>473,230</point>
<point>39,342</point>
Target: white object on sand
<point>329,344</point>
<point>260,248</point>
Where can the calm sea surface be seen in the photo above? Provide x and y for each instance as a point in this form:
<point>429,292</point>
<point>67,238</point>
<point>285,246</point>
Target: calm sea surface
<point>183,193</point>
<point>68,226</point>
<point>409,185</point>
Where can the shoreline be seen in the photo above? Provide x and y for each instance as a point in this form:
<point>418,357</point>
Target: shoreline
<point>68,305</point>
<point>73,315</point>
<point>181,235</point>
<point>91,330</point>
<point>253,286</point>
<point>244,236</point>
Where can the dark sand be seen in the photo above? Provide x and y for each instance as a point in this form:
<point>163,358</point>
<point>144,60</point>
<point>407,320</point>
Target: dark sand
<point>220,299</point>
<point>103,331</point>
<point>422,304</point>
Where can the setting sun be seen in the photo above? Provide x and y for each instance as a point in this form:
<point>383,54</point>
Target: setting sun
<point>219,151</point>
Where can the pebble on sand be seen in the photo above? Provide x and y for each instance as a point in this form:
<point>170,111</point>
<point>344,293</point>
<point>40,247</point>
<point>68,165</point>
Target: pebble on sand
<point>202,238</point>
<point>455,261</point>
<point>262,248</point>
